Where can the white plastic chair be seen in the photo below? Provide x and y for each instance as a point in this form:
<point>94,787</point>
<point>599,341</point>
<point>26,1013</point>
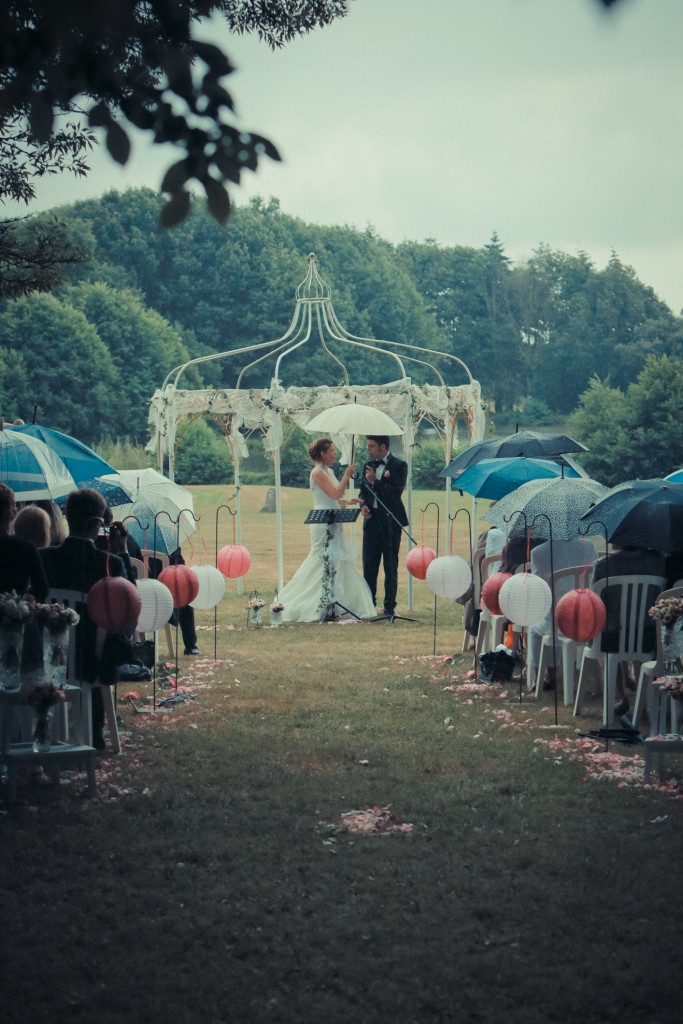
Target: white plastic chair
<point>477,556</point>
<point>490,632</point>
<point>79,692</point>
<point>635,595</point>
<point>562,581</point>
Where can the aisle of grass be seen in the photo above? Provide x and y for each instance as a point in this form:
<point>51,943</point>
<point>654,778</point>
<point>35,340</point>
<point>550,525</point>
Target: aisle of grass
<point>211,880</point>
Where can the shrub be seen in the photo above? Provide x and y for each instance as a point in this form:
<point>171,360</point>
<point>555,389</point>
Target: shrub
<point>202,456</point>
<point>428,461</point>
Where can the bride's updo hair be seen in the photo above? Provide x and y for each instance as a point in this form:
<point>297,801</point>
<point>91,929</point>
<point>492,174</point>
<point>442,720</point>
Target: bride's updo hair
<point>318,448</point>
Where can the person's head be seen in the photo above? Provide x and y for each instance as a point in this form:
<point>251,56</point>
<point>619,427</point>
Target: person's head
<point>8,508</point>
<point>85,510</point>
<point>322,451</point>
<point>378,445</point>
<point>32,523</point>
<point>58,529</point>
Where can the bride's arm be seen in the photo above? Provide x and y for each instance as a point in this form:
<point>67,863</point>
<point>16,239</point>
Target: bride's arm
<point>325,483</point>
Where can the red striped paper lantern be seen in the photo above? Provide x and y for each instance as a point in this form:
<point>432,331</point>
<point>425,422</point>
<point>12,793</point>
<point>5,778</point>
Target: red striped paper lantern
<point>233,560</point>
<point>114,604</point>
<point>182,582</point>
<point>490,591</point>
<point>580,615</point>
<point>418,561</point>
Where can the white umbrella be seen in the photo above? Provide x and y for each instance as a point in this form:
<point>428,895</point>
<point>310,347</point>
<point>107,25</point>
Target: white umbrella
<point>164,509</point>
<point>354,419</point>
<point>558,503</point>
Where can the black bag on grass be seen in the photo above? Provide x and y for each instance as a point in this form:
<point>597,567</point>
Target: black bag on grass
<point>496,666</point>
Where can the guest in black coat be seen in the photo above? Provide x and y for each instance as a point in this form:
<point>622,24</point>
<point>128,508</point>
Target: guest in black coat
<point>77,564</point>
<point>379,496</point>
<point>20,565</point>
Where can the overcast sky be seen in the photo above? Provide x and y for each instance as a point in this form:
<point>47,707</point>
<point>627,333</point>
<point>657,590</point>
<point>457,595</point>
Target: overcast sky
<point>546,121</point>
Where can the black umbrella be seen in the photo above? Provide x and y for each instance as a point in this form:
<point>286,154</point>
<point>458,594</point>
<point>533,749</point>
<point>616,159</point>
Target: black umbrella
<point>642,514</point>
<point>526,443</point>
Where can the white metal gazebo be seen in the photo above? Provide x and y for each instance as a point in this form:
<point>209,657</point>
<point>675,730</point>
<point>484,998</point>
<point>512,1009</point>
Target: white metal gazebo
<point>244,409</point>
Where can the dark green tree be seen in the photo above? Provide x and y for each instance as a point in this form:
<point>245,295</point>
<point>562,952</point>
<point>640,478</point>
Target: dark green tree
<point>636,433</point>
<point>69,373</point>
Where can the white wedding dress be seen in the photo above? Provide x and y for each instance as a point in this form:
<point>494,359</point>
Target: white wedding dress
<point>327,574</point>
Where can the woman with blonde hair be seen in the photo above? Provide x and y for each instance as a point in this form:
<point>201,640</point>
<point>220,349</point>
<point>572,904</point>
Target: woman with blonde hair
<point>33,523</point>
<point>327,581</point>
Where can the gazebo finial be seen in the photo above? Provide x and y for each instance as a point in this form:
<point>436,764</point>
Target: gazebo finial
<point>313,288</point>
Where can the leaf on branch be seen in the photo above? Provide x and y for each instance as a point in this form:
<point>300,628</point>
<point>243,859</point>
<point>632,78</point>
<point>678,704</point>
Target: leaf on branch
<point>41,116</point>
<point>175,210</point>
<point>265,146</point>
<point>217,199</point>
<point>99,115</point>
<point>118,143</point>
<point>176,176</point>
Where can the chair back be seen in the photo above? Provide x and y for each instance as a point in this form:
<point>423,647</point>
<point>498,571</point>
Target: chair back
<point>77,600</point>
<point>488,565</point>
<point>477,557</point>
<point>569,578</point>
<point>139,566</point>
<point>160,556</point>
<point>627,603</point>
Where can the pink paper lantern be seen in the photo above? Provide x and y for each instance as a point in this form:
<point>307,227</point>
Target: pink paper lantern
<point>211,587</point>
<point>449,576</point>
<point>182,582</point>
<point>580,615</point>
<point>490,591</point>
<point>114,604</point>
<point>233,561</point>
<point>525,599</point>
<point>157,606</point>
<point>418,559</point>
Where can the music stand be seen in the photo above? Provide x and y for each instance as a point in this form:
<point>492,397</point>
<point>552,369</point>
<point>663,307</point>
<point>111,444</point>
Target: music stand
<point>328,516</point>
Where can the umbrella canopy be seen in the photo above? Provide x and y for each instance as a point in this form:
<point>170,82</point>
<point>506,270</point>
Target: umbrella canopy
<point>526,443</point>
<point>494,478</point>
<point>642,514</point>
<point>29,467</point>
<point>354,419</point>
<point>164,509</point>
<point>675,477</point>
<point>558,503</point>
<point>82,462</point>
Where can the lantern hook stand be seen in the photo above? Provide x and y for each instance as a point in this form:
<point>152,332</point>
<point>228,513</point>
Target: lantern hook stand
<point>157,708</point>
<point>215,610</point>
<point>438,512</point>
<point>327,517</point>
<point>452,519</point>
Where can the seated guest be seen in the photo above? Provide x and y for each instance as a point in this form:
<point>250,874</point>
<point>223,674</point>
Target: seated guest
<point>77,565</point>
<point>33,524</point>
<point>20,566</point>
<point>58,530</point>
<point>115,538</point>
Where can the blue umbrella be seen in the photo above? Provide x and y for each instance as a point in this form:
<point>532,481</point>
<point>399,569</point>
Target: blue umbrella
<point>494,478</point>
<point>82,462</point>
<point>31,470</point>
<point>676,477</point>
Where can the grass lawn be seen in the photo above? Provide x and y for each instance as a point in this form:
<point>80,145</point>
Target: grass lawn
<point>212,880</point>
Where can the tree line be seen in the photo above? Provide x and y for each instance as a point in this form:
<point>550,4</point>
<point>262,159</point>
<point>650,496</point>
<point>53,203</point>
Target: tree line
<point>538,335</point>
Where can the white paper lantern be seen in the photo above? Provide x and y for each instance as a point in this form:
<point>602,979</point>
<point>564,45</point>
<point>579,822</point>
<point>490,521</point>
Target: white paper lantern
<point>449,576</point>
<point>525,599</point>
<point>157,606</point>
<point>211,587</point>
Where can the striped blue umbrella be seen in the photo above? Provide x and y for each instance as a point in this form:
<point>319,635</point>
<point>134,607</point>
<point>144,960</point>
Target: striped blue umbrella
<point>82,462</point>
<point>31,469</point>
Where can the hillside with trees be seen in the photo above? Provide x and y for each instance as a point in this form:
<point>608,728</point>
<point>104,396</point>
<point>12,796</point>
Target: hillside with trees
<point>89,354</point>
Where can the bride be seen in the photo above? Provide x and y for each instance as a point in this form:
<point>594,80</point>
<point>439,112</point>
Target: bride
<point>328,574</point>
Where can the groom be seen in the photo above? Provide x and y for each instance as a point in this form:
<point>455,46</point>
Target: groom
<point>384,478</point>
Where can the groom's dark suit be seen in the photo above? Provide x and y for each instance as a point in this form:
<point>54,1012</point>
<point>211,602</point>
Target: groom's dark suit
<point>381,533</point>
